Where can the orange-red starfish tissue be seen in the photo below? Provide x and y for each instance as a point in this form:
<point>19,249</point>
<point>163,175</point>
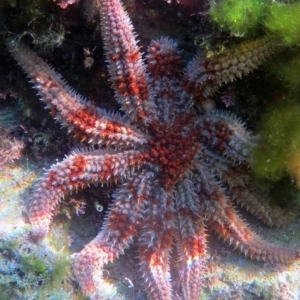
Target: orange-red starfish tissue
<point>169,161</point>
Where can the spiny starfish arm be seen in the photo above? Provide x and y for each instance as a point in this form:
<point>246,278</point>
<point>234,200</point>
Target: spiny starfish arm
<point>81,117</point>
<point>76,172</point>
<point>125,64</point>
<point>190,239</point>
<point>204,75</point>
<point>246,194</point>
<point>270,215</point>
<point>235,231</point>
<point>121,225</point>
<point>225,136</point>
<point>165,68</point>
<point>224,220</point>
<point>155,242</point>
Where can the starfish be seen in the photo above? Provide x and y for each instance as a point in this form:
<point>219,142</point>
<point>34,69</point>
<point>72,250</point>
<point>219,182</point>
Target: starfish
<point>177,171</point>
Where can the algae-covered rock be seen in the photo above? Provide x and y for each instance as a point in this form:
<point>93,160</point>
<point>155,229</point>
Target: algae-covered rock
<point>278,149</point>
<point>283,21</point>
<point>239,17</point>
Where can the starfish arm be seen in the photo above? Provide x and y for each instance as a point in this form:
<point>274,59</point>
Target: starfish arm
<point>155,242</point>
<point>224,220</point>
<point>121,225</point>
<point>125,64</point>
<point>81,117</point>
<point>204,75</point>
<point>165,68</point>
<point>246,194</point>
<point>225,136</point>
<point>190,239</point>
<point>235,231</point>
<point>76,171</point>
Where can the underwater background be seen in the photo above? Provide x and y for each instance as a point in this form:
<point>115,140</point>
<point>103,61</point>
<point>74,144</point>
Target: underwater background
<point>66,34</point>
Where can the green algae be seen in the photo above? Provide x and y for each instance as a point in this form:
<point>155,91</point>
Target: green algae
<point>33,264</point>
<point>288,71</point>
<point>246,17</point>
<point>277,150</point>
<point>61,269</point>
<point>43,25</point>
<point>284,22</point>
<point>239,17</point>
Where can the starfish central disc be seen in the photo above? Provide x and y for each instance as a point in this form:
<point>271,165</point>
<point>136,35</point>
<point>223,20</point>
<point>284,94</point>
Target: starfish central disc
<point>173,148</point>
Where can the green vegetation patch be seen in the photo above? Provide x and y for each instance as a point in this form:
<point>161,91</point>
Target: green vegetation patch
<point>240,17</point>
<point>279,145</point>
<point>283,20</point>
<point>33,264</point>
